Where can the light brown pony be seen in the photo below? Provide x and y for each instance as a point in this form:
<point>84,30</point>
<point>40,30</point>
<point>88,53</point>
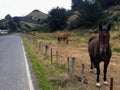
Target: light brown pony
<point>100,51</point>
<point>62,37</point>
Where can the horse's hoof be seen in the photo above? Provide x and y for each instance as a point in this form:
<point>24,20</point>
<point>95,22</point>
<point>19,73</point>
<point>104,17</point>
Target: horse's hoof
<point>98,84</point>
<point>105,83</point>
<point>91,70</point>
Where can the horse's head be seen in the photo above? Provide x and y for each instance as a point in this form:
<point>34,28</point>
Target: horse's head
<point>104,36</point>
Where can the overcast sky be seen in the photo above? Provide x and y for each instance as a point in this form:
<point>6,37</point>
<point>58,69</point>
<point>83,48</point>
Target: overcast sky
<point>24,7</point>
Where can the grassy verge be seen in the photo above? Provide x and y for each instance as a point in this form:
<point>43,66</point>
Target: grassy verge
<point>116,50</point>
<point>38,68</point>
<point>47,74</point>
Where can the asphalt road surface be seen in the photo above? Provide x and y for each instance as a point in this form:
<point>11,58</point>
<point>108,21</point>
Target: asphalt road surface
<point>14,71</point>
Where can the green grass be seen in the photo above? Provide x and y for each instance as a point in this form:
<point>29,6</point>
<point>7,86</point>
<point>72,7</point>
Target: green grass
<point>38,68</point>
<point>116,50</point>
<point>81,35</point>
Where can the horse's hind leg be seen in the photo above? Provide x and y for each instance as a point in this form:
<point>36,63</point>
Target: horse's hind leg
<point>63,40</point>
<point>92,64</point>
<point>58,39</point>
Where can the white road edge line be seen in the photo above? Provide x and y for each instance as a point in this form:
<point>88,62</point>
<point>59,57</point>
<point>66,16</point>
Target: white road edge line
<point>27,69</point>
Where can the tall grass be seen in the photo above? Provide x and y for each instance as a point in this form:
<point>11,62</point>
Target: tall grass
<point>38,68</point>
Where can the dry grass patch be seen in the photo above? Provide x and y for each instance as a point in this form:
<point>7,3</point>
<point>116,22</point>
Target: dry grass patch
<point>77,48</point>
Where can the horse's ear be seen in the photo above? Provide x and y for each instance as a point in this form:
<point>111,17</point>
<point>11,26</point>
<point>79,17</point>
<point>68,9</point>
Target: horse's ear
<point>109,27</point>
<point>100,27</point>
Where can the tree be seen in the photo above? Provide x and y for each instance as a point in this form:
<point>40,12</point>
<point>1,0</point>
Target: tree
<point>75,5</point>
<point>2,26</point>
<point>90,14</point>
<point>12,24</point>
<point>8,17</point>
<point>57,19</point>
<point>108,3</point>
<point>16,21</point>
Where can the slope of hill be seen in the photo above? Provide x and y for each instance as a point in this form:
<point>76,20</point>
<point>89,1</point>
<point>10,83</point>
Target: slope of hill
<point>33,19</point>
<point>36,15</point>
<point>73,17</point>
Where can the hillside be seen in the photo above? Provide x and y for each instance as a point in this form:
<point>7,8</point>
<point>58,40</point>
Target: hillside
<point>73,17</point>
<point>36,15</point>
<point>35,18</point>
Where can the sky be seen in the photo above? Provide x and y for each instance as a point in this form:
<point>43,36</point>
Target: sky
<point>24,7</point>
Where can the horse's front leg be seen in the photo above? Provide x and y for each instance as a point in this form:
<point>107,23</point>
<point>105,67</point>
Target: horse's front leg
<point>105,73</point>
<point>97,65</point>
<point>58,39</point>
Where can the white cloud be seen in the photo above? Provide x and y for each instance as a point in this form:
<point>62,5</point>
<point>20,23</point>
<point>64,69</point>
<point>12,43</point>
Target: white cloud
<point>23,7</point>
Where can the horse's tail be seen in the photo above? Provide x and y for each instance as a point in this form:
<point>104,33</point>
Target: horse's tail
<point>91,39</point>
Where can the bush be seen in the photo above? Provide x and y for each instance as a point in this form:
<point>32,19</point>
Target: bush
<point>74,24</point>
<point>42,28</point>
<point>57,19</point>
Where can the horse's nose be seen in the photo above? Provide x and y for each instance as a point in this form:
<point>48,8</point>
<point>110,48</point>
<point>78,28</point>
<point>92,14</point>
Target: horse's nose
<point>101,50</point>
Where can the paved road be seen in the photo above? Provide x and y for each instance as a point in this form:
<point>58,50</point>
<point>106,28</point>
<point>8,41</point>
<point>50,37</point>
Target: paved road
<point>14,72</point>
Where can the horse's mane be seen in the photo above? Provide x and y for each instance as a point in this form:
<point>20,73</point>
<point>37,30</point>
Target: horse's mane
<point>91,39</point>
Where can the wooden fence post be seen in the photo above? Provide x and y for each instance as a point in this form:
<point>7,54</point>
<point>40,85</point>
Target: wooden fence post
<point>30,40</point>
<point>72,66</point>
<point>33,41</point>
<point>39,45</point>
<point>36,43</point>
<point>56,57</point>
<point>111,83</point>
<point>68,66</point>
<point>46,49</point>
<point>82,74</point>
<point>51,54</point>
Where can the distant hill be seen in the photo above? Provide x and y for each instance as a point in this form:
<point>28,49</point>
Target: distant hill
<point>34,19</point>
<point>36,15</point>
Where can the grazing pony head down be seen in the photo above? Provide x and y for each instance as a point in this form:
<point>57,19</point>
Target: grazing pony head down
<point>99,50</point>
<point>62,37</point>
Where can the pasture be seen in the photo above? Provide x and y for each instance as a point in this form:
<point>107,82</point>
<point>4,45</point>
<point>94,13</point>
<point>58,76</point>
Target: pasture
<point>77,48</point>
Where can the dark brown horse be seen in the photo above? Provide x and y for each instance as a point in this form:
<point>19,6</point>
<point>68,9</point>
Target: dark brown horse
<point>62,37</point>
<point>99,50</point>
